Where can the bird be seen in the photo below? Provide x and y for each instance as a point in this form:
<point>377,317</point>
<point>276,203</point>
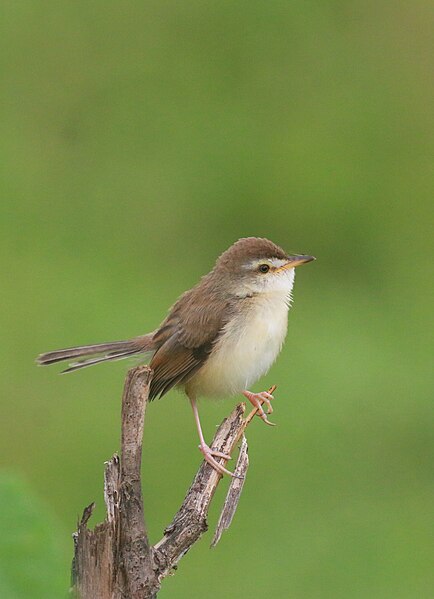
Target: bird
<point>219,338</point>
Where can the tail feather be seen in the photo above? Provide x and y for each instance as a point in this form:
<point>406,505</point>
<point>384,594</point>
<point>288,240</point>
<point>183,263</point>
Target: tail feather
<point>84,350</point>
<point>97,353</point>
<point>91,361</point>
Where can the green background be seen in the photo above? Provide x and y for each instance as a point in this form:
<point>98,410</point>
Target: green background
<point>138,141</point>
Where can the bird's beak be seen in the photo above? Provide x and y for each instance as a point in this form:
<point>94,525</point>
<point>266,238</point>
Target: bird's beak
<point>296,260</point>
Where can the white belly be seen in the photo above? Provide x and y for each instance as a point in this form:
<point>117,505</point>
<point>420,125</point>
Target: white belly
<point>246,349</point>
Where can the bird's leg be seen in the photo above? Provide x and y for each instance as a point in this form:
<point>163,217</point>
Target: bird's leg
<point>257,399</point>
<point>206,451</point>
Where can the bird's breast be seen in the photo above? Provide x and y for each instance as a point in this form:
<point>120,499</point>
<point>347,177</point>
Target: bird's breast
<point>246,348</point>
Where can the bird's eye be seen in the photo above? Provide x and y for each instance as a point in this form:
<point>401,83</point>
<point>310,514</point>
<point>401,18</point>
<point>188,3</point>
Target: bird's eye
<point>264,268</point>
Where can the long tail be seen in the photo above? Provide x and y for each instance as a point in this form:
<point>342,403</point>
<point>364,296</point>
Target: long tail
<point>100,352</point>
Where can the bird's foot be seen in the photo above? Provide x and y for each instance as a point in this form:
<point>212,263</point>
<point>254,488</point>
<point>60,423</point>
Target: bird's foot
<point>257,399</point>
<point>208,454</point>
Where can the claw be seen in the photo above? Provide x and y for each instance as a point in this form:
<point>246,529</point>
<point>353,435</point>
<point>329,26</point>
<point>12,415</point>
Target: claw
<point>265,419</point>
<point>266,398</point>
<point>208,453</point>
<point>257,399</point>
<point>217,454</point>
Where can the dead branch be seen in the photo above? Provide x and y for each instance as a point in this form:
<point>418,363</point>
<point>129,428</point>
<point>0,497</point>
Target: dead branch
<point>116,560</point>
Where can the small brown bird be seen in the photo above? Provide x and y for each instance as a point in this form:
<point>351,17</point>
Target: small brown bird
<point>220,337</point>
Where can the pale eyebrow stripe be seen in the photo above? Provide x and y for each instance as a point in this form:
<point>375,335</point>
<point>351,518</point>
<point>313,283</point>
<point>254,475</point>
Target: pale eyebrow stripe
<point>274,262</point>
<point>277,262</point>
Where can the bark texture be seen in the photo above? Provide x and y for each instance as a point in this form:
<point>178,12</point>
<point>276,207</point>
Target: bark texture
<point>116,560</point>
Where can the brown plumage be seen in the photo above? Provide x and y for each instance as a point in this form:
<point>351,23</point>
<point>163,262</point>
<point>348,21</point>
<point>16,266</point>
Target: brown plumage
<point>219,337</point>
<point>99,352</point>
<point>184,340</point>
<point>249,248</point>
<point>182,343</point>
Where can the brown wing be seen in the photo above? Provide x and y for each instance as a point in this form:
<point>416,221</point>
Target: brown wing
<point>185,338</point>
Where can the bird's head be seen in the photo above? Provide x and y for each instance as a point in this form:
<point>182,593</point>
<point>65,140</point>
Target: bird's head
<point>256,265</point>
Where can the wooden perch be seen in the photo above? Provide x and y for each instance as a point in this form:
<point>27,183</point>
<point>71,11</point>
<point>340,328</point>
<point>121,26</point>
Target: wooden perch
<point>116,560</point>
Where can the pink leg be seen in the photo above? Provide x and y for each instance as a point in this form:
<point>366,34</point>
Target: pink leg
<point>206,451</point>
<point>257,399</point>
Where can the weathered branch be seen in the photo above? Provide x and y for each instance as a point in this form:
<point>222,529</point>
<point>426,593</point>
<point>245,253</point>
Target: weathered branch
<point>116,560</point>
<point>231,502</point>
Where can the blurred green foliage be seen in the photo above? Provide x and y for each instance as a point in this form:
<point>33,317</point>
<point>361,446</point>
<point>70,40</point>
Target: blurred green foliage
<point>32,551</point>
<point>139,140</point>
